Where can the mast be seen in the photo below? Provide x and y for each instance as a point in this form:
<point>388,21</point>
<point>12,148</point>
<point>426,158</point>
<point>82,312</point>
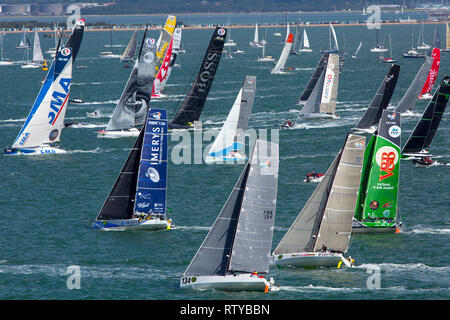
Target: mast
<point>193,104</point>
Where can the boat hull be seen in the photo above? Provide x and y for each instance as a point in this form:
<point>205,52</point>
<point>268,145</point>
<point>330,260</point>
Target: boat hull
<point>358,227</point>
<point>132,224</point>
<point>41,150</point>
<point>310,259</point>
<point>238,282</point>
<point>318,116</point>
<point>132,132</point>
<point>226,159</point>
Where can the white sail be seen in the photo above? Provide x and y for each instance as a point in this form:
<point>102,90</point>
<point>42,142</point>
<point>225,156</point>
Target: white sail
<point>336,45</point>
<point>37,51</point>
<point>287,31</point>
<point>284,55</point>
<point>46,118</point>
<point>305,39</point>
<point>330,85</point>
<point>256,38</point>
<point>176,45</point>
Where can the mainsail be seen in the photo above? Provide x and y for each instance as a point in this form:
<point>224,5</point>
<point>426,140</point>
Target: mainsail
<point>313,80</point>
<point>409,99</point>
<point>279,67</point>
<point>426,128</point>
<point>231,136</point>
<point>193,104</point>
<point>163,74</point>
<point>305,40</point>
<point>37,51</point>
<point>46,118</point>
<point>447,37</point>
<point>326,218</point>
<point>381,99</point>
<point>434,70</point>
<point>377,198</point>
<point>164,41</point>
<point>131,110</point>
<point>130,50</point>
<point>241,237</point>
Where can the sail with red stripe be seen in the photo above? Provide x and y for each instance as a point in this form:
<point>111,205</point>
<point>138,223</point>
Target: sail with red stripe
<point>163,73</point>
<point>434,70</point>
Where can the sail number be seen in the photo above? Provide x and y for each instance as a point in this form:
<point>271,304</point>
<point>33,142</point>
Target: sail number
<point>268,214</point>
<point>188,280</point>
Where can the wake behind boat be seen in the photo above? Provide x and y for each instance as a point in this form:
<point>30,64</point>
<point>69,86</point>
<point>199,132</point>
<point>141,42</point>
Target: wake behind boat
<point>138,197</point>
<point>42,129</point>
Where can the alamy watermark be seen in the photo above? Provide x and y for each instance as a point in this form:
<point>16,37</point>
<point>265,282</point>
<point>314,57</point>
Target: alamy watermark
<point>374,21</point>
<point>374,280</point>
<point>74,279</point>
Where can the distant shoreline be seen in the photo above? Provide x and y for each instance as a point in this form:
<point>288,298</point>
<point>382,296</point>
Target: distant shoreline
<point>240,26</point>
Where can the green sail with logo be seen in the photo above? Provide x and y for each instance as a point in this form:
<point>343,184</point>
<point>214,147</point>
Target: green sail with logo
<point>377,198</point>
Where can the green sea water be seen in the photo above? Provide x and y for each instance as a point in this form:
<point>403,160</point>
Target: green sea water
<point>48,203</point>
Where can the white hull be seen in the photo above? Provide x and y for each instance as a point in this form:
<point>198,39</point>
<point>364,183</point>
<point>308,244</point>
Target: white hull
<point>358,227</point>
<point>318,116</point>
<point>238,282</point>
<point>425,96</point>
<point>158,95</point>
<point>229,158</point>
<point>132,224</point>
<point>6,63</point>
<point>279,72</point>
<point>266,59</point>
<point>30,66</point>
<point>379,50</point>
<point>314,179</point>
<point>132,132</point>
<point>41,150</point>
<point>424,47</point>
<point>311,259</point>
<point>305,50</point>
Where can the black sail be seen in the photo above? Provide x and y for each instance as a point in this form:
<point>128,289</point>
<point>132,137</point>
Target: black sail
<point>120,202</point>
<point>426,128</point>
<point>195,100</point>
<point>75,38</point>
<point>315,76</point>
<point>381,99</point>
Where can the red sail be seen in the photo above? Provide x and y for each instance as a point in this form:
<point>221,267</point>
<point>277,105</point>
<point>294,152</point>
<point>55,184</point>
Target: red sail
<point>161,76</point>
<point>432,75</point>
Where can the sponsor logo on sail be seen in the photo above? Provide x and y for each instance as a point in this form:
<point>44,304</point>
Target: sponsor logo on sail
<point>221,32</point>
<point>65,52</point>
<point>152,174</point>
<point>24,138</point>
<point>156,115</point>
<point>374,205</point>
<point>58,100</point>
<point>395,131</point>
<point>53,134</point>
<point>392,116</point>
<point>386,158</point>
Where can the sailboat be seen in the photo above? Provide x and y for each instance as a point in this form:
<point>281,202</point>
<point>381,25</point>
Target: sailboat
<point>413,53</point>
<point>321,104</point>
<point>371,117</point>
<point>109,54</point>
<point>38,58</point>
<point>376,209</point>
<point>265,58</point>
<point>177,41</point>
<point>418,143</point>
<point>320,235</point>
<point>132,108</point>
<point>138,198</point>
<point>297,42</point>
<point>333,43</point>
<point>432,75</point>
<point>447,39</point>
<point>235,254</point>
<point>421,45</point>
<point>378,46</point>
<point>130,50</point>
<point>389,59</point>
<point>192,106</point>
<point>276,33</point>
<point>229,144</point>
<point>314,78</point>
<point>304,47</point>
<point>255,42</point>
<point>24,42</point>
<point>3,61</point>
<point>43,126</point>
<point>52,51</point>
<point>230,42</point>
<point>355,55</point>
<point>279,67</point>
<point>411,95</point>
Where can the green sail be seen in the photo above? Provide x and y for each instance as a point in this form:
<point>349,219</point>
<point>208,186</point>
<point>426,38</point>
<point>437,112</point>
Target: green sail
<point>377,199</point>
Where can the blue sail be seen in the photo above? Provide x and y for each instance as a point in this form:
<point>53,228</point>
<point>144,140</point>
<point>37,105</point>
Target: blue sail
<point>151,188</point>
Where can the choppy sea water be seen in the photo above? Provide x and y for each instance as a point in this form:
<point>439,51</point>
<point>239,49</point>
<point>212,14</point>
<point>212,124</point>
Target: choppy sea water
<point>48,203</point>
